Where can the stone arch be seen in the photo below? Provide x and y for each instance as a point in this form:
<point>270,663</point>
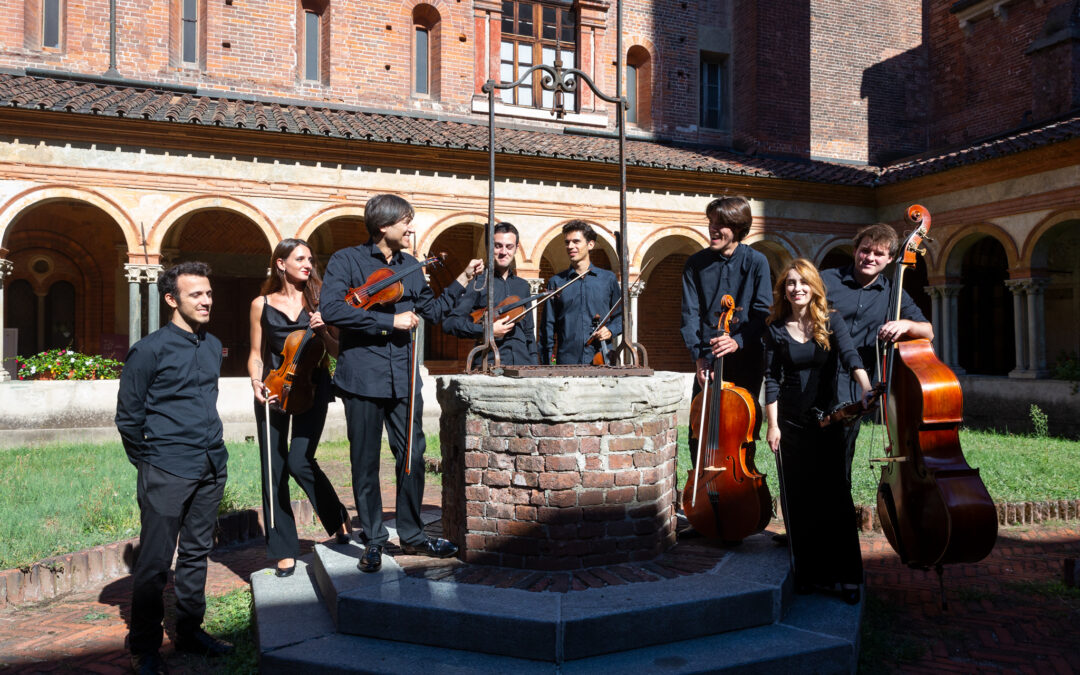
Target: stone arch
<point>331,229</point>
<point>693,235</point>
<point>605,242</point>
<point>827,251</point>
<point>776,248</point>
<point>643,58</point>
<point>952,253</point>
<point>985,321</point>
<point>1033,253</point>
<point>19,204</point>
<point>325,215</point>
<point>659,307</point>
<point>186,207</point>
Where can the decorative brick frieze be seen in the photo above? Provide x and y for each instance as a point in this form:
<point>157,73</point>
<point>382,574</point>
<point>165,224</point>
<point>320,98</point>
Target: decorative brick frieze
<point>559,473</point>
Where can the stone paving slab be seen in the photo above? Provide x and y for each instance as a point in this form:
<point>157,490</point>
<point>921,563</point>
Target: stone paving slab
<point>994,622</point>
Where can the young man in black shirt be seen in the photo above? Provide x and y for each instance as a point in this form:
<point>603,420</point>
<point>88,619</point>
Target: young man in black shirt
<point>727,267</point>
<point>568,317</point>
<point>372,375</point>
<point>166,413</point>
<point>513,338</point>
<point>860,293</point>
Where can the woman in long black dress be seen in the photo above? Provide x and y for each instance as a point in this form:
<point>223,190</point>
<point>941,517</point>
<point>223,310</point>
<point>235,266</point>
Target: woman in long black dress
<point>802,343</point>
<point>287,303</point>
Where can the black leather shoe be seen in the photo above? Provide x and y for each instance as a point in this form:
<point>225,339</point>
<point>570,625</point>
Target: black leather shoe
<point>285,571</point>
<point>148,664</point>
<point>371,561</point>
<point>431,547</point>
<point>200,642</point>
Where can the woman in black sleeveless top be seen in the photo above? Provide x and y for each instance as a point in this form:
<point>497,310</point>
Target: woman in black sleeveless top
<point>804,342</point>
<point>292,290</point>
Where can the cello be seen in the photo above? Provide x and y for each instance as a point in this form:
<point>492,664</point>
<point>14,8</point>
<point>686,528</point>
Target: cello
<point>725,497</point>
<point>934,508</point>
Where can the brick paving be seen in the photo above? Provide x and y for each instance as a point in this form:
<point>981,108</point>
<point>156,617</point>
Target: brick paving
<point>1004,614</point>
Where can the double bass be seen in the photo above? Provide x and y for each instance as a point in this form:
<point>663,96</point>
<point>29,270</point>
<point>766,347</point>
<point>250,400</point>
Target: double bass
<point>934,508</point>
<point>725,497</point>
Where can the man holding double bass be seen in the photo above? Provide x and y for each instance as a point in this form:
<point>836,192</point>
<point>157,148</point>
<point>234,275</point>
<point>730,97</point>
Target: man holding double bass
<point>374,372</point>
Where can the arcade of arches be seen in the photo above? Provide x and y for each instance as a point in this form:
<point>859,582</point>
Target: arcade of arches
<point>69,278</point>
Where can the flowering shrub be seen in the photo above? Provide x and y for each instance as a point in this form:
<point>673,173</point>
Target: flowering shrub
<point>65,364</point>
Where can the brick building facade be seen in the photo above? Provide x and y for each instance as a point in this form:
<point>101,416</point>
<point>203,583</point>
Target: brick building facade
<point>211,129</point>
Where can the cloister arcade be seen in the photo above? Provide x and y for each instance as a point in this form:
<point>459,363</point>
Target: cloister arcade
<point>75,273</point>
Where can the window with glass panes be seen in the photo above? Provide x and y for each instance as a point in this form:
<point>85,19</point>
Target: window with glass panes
<point>190,37</point>
<point>713,113</point>
<point>50,24</point>
<point>533,33</point>
<point>311,45</point>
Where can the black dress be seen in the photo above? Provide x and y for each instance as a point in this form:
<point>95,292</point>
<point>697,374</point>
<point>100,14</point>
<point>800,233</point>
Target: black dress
<point>299,455</point>
<point>818,510</point>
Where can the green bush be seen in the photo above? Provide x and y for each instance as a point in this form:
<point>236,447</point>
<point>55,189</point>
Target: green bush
<point>65,364</point>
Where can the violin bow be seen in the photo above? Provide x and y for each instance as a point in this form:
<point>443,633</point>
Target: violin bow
<point>551,294</point>
<point>269,466</point>
<point>412,392</point>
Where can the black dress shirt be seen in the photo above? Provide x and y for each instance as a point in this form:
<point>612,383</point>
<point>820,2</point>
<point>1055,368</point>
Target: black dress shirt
<point>864,309</point>
<point>373,360</point>
<point>707,277</point>
<point>166,409</point>
<point>518,348</point>
<point>569,315</point>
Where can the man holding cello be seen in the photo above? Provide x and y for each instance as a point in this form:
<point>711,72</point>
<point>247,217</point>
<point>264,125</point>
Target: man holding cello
<point>375,372</point>
<point>514,336</point>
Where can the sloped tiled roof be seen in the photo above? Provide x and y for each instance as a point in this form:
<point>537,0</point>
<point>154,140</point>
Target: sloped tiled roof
<point>167,106</point>
<point>88,98</point>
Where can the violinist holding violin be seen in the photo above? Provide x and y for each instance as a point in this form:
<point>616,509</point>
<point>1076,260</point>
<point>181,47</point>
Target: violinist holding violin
<point>288,302</point>
<point>514,336</point>
<point>805,343</point>
<point>375,372</point>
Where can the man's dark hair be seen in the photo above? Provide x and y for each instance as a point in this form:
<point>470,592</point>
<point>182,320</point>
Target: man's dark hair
<point>383,210</point>
<point>501,228</point>
<point>580,226</point>
<point>879,234</point>
<point>167,282</point>
<point>732,212</point>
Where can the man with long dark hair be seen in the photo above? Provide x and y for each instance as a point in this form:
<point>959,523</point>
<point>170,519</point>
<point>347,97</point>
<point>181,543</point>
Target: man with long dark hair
<point>166,413</point>
<point>373,373</point>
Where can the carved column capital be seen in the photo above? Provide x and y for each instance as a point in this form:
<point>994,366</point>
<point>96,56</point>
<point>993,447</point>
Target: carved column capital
<point>951,290</point>
<point>1016,286</point>
<point>134,273</point>
<point>637,288</point>
<point>6,268</point>
<point>153,272</point>
<point>536,285</point>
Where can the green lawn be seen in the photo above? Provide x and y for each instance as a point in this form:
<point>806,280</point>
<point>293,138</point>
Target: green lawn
<point>1014,468</point>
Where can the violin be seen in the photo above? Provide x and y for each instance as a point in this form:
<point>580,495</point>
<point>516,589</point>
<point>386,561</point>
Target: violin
<point>934,508</point>
<point>294,382</point>
<point>384,287</point>
<point>725,497</point>
<point>600,358</point>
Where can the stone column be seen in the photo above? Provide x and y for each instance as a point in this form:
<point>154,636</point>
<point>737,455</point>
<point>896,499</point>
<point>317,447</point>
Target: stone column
<point>153,302</point>
<point>134,277</point>
<point>1036,326</point>
<point>935,316</point>
<point>952,322</point>
<point>1018,288</point>
<point>636,289</point>
<point>6,268</point>
<point>535,286</point>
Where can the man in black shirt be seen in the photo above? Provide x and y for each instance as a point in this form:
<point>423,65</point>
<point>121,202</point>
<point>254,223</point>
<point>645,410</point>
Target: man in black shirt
<point>166,413</point>
<point>727,267</point>
<point>861,295</point>
<point>568,317</point>
<point>372,375</point>
<point>514,338</point>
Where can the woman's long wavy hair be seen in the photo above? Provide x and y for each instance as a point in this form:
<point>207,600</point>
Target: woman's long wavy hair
<point>819,306</point>
<point>276,281</point>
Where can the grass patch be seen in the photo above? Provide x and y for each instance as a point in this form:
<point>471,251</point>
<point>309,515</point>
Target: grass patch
<point>1014,468</point>
<point>228,617</point>
<point>46,511</point>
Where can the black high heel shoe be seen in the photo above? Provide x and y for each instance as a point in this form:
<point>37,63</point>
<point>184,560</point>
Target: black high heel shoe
<point>285,571</point>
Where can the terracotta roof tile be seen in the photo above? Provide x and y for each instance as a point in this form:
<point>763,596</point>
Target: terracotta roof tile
<point>102,99</point>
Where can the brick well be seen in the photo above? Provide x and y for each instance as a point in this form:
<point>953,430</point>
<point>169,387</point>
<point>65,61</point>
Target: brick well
<point>559,473</point>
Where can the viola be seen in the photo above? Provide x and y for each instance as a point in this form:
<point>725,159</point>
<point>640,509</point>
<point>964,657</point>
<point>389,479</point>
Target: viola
<point>294,382</point>
<point>934,508</point>
<point>725,497</point>
<point>384,286</point>
<point>600,358</point>
<point>511,307</point>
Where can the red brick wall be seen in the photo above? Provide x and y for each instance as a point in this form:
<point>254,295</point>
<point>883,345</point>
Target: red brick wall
<point>659,316</point>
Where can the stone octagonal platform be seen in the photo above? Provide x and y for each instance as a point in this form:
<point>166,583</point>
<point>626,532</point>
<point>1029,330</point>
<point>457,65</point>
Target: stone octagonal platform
<point>693,610</point>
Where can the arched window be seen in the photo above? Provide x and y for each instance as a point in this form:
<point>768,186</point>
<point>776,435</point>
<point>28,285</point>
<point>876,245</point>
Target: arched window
<point>639,86</point>
<point>313,40</point>
<point>426,50</point>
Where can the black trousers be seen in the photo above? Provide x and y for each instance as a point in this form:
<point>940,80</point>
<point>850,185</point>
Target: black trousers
<point>365,418</point>
<point>295,457</point>
<point>172,508</point>
<point>818,511</point>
